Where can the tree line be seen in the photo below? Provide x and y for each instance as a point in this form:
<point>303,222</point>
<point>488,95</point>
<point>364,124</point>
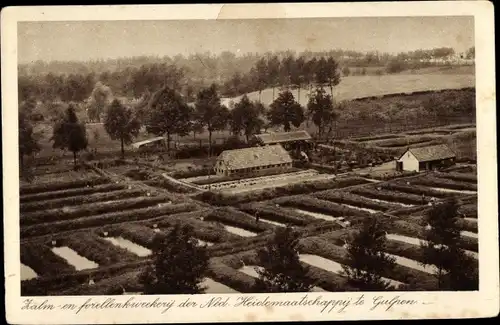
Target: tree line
<point>180,265</point>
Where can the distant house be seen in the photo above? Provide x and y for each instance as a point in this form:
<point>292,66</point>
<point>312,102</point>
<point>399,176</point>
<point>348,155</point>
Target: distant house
<point>295,140</point>
<point>154,143</point>
<point>252,161</point>
<point>426,158</point>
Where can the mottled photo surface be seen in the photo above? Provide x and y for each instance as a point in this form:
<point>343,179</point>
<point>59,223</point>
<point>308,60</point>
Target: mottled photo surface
<point>247,156</point>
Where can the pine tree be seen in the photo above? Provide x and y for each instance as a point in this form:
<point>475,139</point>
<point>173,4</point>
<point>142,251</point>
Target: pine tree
<point>179,264</point>
<point>121,124</point>
<point>281,269</point>
<point>366,259</point>
<point>454,269</point>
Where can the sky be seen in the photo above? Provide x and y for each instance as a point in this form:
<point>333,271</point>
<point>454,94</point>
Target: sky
<point>90,40</point>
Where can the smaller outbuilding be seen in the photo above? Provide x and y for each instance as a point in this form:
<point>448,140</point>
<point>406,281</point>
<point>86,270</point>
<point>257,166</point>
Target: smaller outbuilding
<point>426,158</point>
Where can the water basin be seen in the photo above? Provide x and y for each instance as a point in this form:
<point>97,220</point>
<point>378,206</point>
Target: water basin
<point>250,270</point>
<point>27,273</point>
<point>359,208</point>
<point>239,231</point>
<point>128,245</point>
<point>392,202</point>
<point>317,215</point>
<point>469,234</point>
<point>448,190</point>
<point>214,287</point>
<point>73,258</point>
<point>204,243</point>
<point>273,222</point>
<point>414,264</point>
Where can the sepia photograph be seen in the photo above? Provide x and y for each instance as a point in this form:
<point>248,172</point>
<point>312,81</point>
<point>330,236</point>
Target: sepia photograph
<point>247,156</point>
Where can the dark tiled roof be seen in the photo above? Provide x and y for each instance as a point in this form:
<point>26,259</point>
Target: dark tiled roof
<point>267,138</point>
<point>254,157</point>
<point>431,153</point>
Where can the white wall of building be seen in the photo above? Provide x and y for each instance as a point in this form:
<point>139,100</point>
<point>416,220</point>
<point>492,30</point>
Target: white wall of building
<point>410,162</point>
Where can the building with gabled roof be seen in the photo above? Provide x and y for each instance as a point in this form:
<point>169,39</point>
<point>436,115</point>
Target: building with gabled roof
<point>426,158</point>
<point>252,161</point>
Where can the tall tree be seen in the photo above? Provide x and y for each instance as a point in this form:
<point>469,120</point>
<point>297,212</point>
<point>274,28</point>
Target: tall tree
<point>273,69</point>
<point>441,248</point>
<point>27,142</point>
<point>366,259</point>
<point>168,114</point>
<point>121,124</point>
<point>333,74</point>
<point>297,76</point>
<point>210,113</point>
<point>70,134</point>
<point>262,78</point>
<point>246,117</point>
<point>321,73</point>
<point>100,98</point>
<point>282,270</point>
<point>286,111</point>
<point>310,72</point>
<point>179,264</point>
<point>320,110</point>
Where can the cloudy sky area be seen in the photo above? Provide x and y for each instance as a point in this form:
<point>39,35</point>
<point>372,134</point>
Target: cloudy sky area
<point>85,40</point>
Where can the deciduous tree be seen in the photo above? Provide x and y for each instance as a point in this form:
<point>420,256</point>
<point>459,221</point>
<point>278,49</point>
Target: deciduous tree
<point>282,270</point>
<point>320,110</point>
<point>27,141</point>
<point>168,114</point>
<point>121,124</point>
<point>210,113</point>
<point>286,111</point>
<point>246,117</point>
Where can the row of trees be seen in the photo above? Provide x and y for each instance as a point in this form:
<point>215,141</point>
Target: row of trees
<point>166,113</point>
<point>180,265</point>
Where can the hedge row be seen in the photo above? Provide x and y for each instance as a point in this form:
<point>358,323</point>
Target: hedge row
<point>445,183</point>
<point>220,199</point>
<point>109,286</point>
<point>220,179</point>
<point>273,213</point>
<point>377,137</point>
<point>47,187</point>
<point>136,233</point>
<point>469,210</point>
<point>354,200</point>
<point>96,249</point>
<point>316,205</point>
<point>170,186</point>
<point>397,197</point>
<point>192,173</point>
<point>321,247</point>
<point>410,229</point>
<point>460,177</point>
<point>414,189</point>
<point>103,219</point>
<point>76,192</point>
<point>402,141</point>
<point>84,210</point>
<point>233,217</point>
<point>230,277</point>
<point>42,260</point>
<point>79,200</point>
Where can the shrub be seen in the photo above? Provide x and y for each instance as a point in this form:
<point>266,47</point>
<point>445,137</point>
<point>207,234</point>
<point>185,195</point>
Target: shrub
<point>87,210</point>
<point>403,141</point>
<point>42,260</point>
<point>376,137</point>
<point>413,189</point>
<point>103,219</point>
<point>47,187</point>
<point>97,249</point>
<point>79,200</point>
<point>70,193</point>
<point>108,286</point>
<point>192,173</point>
<point>460,177</point>
<point>392,196</point>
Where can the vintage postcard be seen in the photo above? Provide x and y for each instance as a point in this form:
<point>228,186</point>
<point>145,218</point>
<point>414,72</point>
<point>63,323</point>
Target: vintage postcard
<point>252,162</point>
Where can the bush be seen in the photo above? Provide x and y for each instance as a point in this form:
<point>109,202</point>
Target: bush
<point>79,200</point>
<point>108,286</point>
<point>97,249</point>
<point>87,210</point>
<point>42,260</point>
<point>103,219</point>
<point>70,193</point>
<point>460,177</point>
<point>192,173</point>
<point>377,137</point>
<point>403,141</point>
<point>139,174</point>
<point>418,190</point>
<point>47,187</point>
